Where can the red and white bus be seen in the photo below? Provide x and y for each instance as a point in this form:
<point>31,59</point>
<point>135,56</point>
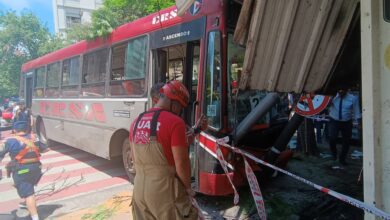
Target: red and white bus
<point>87,94</point>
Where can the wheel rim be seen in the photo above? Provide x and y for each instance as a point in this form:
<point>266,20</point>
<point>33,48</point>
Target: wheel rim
<point>128,158</point>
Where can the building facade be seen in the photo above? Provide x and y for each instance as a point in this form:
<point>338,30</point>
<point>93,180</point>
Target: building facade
<point>69,12</point>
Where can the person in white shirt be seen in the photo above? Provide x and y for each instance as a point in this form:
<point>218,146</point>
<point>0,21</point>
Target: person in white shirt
<point>344,108</point>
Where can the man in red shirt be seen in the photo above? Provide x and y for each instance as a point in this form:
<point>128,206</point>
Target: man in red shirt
<point>162,188</point>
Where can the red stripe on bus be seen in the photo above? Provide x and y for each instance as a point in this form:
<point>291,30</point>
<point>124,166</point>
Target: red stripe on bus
<point>211,145</point>
<point>8,206</point>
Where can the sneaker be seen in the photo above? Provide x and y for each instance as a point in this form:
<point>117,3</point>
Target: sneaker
<point>338,167</point>
<point>23,205</point>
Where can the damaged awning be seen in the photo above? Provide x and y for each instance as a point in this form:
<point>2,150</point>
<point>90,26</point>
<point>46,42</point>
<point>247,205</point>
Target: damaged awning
<point>183,5</point>
<point>292,45</point>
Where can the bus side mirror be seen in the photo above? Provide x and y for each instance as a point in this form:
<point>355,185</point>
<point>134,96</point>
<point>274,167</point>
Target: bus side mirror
<point>386,10</point>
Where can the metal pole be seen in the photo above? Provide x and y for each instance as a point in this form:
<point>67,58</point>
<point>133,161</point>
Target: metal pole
<point>261,109</point>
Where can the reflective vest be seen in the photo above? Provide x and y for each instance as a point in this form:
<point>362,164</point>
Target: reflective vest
<point>30,147</point>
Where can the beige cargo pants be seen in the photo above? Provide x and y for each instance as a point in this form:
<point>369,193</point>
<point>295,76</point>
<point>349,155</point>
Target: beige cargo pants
<point>158,193</point>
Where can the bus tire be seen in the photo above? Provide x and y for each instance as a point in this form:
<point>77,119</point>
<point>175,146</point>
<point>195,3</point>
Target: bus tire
<point>128,161</point>
<point>42,134</point>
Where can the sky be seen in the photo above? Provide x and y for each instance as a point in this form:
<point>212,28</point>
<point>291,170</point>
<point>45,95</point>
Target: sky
<point>43,9</point>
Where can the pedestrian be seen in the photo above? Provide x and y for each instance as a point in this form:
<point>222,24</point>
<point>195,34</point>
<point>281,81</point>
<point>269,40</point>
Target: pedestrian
<point>343,109</point>
<point>162,188</point>
<point>24,114</point>
<point>320,124</point>
<point>25,165</point>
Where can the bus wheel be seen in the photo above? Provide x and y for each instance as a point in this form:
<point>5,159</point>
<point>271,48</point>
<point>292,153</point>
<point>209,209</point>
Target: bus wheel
<point>128,160</point>
<point>42,134</point>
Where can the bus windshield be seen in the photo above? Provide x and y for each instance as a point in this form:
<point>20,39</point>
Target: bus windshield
<point>247,99</point>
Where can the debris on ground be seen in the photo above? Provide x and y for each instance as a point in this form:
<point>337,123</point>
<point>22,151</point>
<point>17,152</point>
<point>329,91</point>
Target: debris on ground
<point>285,198</point>
<point>116,208</point>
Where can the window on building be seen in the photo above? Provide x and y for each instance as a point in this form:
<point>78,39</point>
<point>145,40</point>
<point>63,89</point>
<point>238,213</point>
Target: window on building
<point>94,73</point>
<point>39,82</point>
<point>129,64</point>
<point>213,81</point>
<point>70,77</point>
<point>72,19</point>
<point>53,80</point>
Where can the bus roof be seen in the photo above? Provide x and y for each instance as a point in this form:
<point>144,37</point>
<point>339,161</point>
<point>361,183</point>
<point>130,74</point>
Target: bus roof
<point>162,19</point>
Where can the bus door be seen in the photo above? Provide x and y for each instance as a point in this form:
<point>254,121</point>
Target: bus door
<point>180,62</point>
<point>191,78</point>
<point>28,89</point>
<point>176,53</point>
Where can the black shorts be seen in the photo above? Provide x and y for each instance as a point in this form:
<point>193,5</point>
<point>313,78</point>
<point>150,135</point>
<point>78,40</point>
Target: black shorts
<point>25,178</point>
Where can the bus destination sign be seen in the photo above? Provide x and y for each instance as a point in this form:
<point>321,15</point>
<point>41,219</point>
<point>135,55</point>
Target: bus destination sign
<point>178,34</point>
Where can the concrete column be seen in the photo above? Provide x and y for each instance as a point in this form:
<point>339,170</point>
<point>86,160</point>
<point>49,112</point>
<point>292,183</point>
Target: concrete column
<point>375,42</point>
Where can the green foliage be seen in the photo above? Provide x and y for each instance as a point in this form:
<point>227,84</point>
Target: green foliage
<point>52,44</point>
<point>100,214</point>
<point>77,32</point>
<point>21,39</point>
<point>117,12</point>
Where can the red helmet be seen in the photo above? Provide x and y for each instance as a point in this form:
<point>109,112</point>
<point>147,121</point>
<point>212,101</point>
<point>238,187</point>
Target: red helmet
<point>175,90</point>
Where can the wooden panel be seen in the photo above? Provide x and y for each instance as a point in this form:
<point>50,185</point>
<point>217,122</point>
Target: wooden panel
<point>331,45</point>
<point>242,28</point>
<point>292,45</point>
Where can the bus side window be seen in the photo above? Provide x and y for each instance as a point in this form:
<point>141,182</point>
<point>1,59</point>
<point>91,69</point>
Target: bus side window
<point>212,101</point>
<point>39,82</point>
<point>94,71</point>
<point>70,77</point>
<point>53,80</point>
<point>128,70</point>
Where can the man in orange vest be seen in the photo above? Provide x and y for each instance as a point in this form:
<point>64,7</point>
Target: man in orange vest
<point>25,166</point>
<point>162,188</point>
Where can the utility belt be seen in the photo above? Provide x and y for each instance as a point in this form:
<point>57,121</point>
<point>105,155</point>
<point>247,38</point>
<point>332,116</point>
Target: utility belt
<point>14,166</point>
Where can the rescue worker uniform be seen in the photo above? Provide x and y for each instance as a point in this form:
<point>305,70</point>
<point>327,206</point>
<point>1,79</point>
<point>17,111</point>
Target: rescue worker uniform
<point>25,161</point>
<point>158,193</point>
<point>24,115</point>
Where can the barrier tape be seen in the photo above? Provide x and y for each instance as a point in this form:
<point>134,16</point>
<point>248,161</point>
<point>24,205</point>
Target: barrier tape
<point>197,207</point>
<point>222,161</point>
<point>317,118</point>
<point>344,198</point>
<point>255,189</point>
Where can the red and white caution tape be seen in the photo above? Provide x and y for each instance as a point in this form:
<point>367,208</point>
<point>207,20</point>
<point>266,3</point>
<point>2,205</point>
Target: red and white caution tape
<point>318,118</point>
<point>344,198</point>
<point>197,207</point>
<point>225,169</point>
<point>256,192</point>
